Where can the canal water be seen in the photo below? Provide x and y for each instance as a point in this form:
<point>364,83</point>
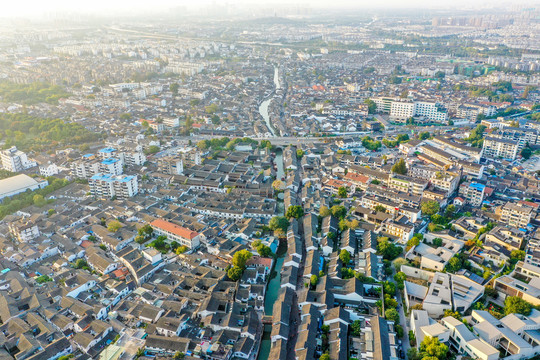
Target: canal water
<point>263,108</point>
<point>271,295</point>
<point>275,281</point>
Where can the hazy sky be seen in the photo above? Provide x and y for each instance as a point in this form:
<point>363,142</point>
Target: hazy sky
<point>33,8</point>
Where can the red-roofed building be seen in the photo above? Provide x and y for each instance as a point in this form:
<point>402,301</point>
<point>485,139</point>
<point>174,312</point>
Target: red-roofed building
<point>86,243</point>
<point>360,181</point>
<point>177,233</point>
<point>259,261</point>
<point>332,185</point>
<point>530,204</point>
<point>120,273</point>
<point>459,201</point>
<point>157,127</point>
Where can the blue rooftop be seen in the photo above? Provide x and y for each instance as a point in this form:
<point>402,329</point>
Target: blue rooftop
<point>110,177</point>
<point>478,186</point>
<point>107,150</point>
<point>126,178</point>
<point>102,177</point>
<point>109,161</point>
<point>87,155</point>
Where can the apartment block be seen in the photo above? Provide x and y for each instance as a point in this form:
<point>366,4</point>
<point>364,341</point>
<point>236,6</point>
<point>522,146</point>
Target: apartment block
<point>15,160</point>
<point>472,192</point>
<point>516,214</point>
<point>500,148</point>
<point>108,186</point>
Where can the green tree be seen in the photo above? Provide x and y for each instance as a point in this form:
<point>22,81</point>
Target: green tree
<point>414,241</point>
<point>379,208</point>
<point>338,211</point>
<point>114,225</point>
<point>211,109</point>
<point>476,136</point>
<point>262,249</point>
<point>432,347</point>
<point>450,211</point>
<point>430,207</point>
<point>160,244</point>
<point>325,356</point>
<point>146,231</point>
<point>125,116</point>
<point>356,328</point>
<point>454,314</point>
<point>399,331</point>
<point>517,255</point>
<point>240,258</point>
<point>342,192</point>
<point>314,280</point>
<point>389,288</point>
<point>392,315</point>
<point>80,263</point>
<point>413,354</point>
<point>235,273</point>
<point>179,355</point>
<point>400,167</point>
<point>153,149</point>
<point>279,222</point>
<point>454,264</point>
<point>371,144</point>
<point>393,79</point>
<point>516,305</point>
<point>39,200</point>
<point>526,152</point>
<point>372,107</point>
<point>324,211</point>
<point>345,224</point>
<point>295,211</point>
<point>388,250</point>
<point>277,185</point>
<point>203,144</point>
<point>181,249</point>
<point>437,242</point>
<point>400,261</point>
<point>174,88</point>
<point>345,257</point>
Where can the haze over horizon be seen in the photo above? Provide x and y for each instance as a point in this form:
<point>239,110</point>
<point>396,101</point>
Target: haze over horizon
<point>36,9</point>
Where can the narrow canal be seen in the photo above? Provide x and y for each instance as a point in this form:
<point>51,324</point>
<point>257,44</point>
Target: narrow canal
<point>275,281</point>
<point>271,295</point>
<point>263,108</point>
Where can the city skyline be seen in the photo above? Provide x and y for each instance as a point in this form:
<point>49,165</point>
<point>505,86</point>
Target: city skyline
<point>36,8</point>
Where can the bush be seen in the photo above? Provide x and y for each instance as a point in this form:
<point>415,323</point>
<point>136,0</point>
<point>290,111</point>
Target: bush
<point>392,315</point>
<point>43,279</point>
<point>114,226</point>
<point>514,304</point>
<point>388,250</point>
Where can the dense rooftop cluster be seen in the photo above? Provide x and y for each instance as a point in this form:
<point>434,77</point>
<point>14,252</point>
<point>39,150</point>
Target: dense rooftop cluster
<point>272,190</point>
